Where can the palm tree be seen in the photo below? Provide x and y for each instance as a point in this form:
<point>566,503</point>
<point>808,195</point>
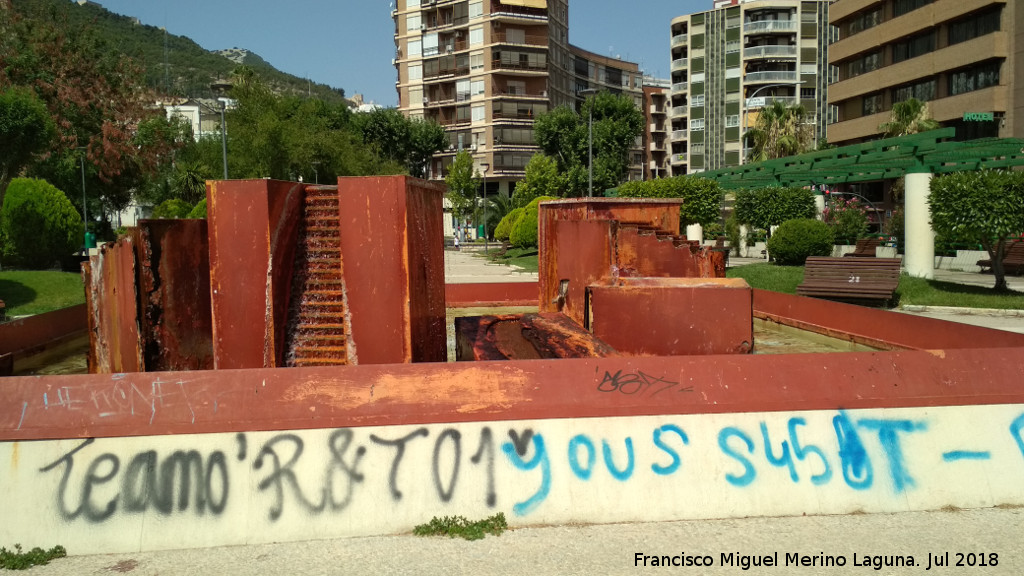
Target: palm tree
<point>909,117</point>
<point>780,131</point>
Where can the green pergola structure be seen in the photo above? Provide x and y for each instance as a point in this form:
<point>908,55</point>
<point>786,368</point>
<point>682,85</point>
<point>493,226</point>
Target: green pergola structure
<point>916,158</point>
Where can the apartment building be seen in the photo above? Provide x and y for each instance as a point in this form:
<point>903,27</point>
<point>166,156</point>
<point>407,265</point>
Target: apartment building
<point>485,69</point>
<point>656,137</point>
<point>958,55</point>
<point>729,62</point>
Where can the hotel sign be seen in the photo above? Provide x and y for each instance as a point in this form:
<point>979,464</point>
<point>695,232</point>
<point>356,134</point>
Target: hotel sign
<point>979,116</point>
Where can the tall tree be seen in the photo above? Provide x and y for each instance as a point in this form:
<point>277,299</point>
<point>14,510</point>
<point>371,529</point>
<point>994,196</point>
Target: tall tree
<point>26,129</point>
<point>564,135</point>
<point>409,142</point>
<point>909,117</point>
<point>462,184</point>
<point>542,179</point>
<point>779,131</point>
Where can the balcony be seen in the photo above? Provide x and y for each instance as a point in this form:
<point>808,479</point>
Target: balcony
<point>655,128</point>
<point>679,111</point>
<point>679,158</point>
<point>770,52</point>
<point>680,86</point>
<point>680,64</point>
<point>679,134</point>
<point>679,40</point>
<point>771,76</point>
<point>535,40</point>
<point>770,26</point>
<point>519,65</point>
<point>657,109</point>
<point>517,93</point>
<point>658,146</point>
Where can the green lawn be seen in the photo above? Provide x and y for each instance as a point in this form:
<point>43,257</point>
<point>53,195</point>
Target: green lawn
<point>912,291</point>
<point>27,292</point>
<point>525,258</point>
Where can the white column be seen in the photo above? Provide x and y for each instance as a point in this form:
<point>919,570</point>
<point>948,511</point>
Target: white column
<point>744,230</point>
<point>695,232</point>
<point>919,244</point>
<point>819,204</point>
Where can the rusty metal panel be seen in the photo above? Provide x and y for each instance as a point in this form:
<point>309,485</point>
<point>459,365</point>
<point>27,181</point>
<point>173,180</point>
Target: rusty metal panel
<point>878,328</point>
<point>673,316</point>
<point>174,281</point>
<point>251,230</point>
<point>382,267</point>
<point>525,337</point>
<point>113,307</point>
<point>660,214</point>
<point>33,334</point>
<point>350,396</point>
<point>575,254</point>
<point>492,294</point>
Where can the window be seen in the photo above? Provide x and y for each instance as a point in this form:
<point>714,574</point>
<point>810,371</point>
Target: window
<point>515,87</point>
<point>430,44</point>
<point>415,47</point>
<point>413,22</point>
<point>975,78</point>
<point>732,46</point>
<point>476,61</point>
<point>807,93</point>
<point>697,124</point>
<point>872,104</point>
<point>479,113</point>
<point>913,47</point>
<point>462,90</point>
<point>476,88</point>
<point>923,91</point>
<point>865,21</point>
<point>476,36</point>
<point>415,96</point>
<point>975,26</point>
<point>732,121</point>
<point>476,9</point>
<point>865,64</point>
<point>415,71</point>
<point>515,36</point>
<point>901,7</point>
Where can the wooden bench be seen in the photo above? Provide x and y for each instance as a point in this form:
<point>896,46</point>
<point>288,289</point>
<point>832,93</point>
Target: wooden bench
<point>865,248</point>
<point>1013,259</point>
<point>856,279</point>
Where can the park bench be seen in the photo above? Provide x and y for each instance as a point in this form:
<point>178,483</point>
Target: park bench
<point>855,279</point>
<point>865,248</point>
<point>1013,259</point>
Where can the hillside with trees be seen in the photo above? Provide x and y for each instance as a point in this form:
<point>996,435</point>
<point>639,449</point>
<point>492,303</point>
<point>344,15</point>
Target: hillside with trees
<point>172,65</point>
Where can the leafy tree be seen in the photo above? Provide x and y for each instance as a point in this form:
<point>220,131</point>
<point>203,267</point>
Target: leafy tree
<point>767,207</point>
<point>702,197</point>
<point>26,129</point>
<point>462,185</point>
<point>173,208</point>
<point>563,135</point>
<point>425,138</point>
<point>497,207</point>
<point>779,131</point>
<point>982,207</point>
<point>909,117</point>
<point>542,179</point>
<point>410,143</point>
<point>39,227</point>
<point>199,211</point>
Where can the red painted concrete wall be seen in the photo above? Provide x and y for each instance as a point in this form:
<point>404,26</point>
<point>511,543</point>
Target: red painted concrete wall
<point>393,266</point>
<point>491,294</point>
<point>252,230</point>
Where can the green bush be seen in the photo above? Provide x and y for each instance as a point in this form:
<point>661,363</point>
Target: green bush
<point>199,211</point>
<point>848,220</point>
<point>797,239</point>
<point>524,233</point>
<point>39,227</point>
<point>767,207</point>
<point>173,208</point>
<point>702,198</point>
<point>504,229</point>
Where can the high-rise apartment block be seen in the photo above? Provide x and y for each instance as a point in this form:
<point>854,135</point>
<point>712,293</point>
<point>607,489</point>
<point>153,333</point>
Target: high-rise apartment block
<point>960,56</point>
<point>731,61</point>
<point>485,69</point>
<point>656,137</point>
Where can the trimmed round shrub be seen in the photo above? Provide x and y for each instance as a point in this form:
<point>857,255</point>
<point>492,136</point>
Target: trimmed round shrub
<point>504,229</point>
<point>39,227</point>
<point>173,208</point>
<point>524,233</point>
<point>199,211</point>
<point>795,240</point>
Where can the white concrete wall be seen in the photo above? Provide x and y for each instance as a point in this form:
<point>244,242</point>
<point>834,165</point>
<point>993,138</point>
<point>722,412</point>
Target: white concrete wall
<point>120,495</point>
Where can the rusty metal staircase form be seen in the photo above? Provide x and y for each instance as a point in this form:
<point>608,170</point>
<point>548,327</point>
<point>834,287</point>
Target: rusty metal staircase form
<point>318,329</point>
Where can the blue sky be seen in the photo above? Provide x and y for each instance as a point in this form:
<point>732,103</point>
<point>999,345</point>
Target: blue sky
<point>349,43</point>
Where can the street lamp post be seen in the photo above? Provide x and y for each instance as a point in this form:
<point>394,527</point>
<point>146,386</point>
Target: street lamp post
<point>85,208</point>
<point>484,166</point>
<point>590,143</point>
<point>224,134</point>
<point>746,111</point>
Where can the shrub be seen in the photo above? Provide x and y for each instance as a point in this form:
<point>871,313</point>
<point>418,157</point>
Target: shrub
<point>767,207</point>
<point>173,208</point>
<point>797,239</point>
<point>39,227</point>
<point>847,218</point>
<point>524,233</point>
<point>199,211</point>
<point>504,229</point>
<point>702,198</point>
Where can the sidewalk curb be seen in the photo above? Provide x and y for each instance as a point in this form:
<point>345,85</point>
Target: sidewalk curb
<point>995,312</point>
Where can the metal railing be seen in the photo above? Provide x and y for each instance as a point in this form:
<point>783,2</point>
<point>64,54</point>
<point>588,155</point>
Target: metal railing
<point>769,51</point>
<point>680,86</point>
<point>769,26</point>
<point>680,64</point>
<point>772,76</point>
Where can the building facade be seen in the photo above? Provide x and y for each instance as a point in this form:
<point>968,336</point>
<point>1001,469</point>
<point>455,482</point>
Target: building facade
<point>731,61</point>
<point>960,56</point>
<point>485,69</point>
<point>656,136</point>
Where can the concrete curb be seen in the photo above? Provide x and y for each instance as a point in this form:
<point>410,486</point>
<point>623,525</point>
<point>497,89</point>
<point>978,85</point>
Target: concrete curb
<point>995,312</point>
